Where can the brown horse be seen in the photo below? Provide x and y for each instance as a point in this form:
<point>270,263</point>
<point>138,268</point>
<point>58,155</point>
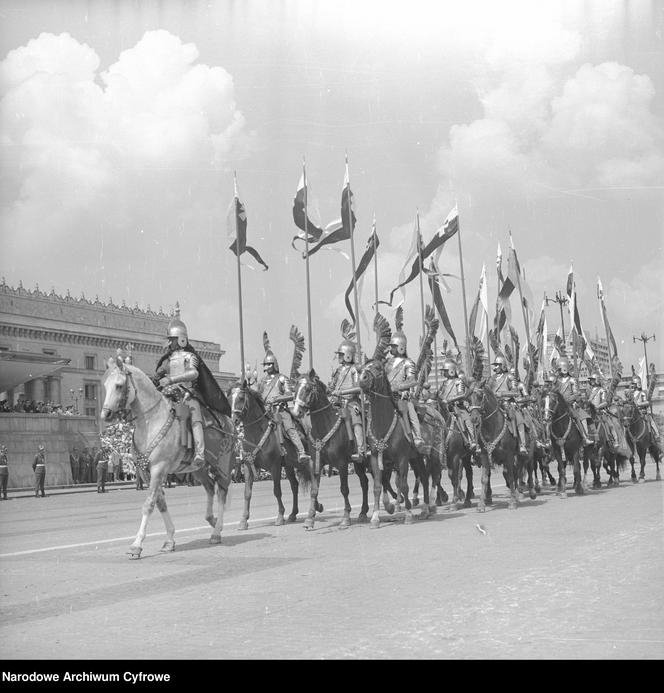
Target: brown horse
<point>260,450</point>
<point>458,459</point>
<point>640,439</point>
<point>157,442</point>
<point>391,449</point>
<point>330,444</point>
<point>498,444</point>
<point>566,441</point>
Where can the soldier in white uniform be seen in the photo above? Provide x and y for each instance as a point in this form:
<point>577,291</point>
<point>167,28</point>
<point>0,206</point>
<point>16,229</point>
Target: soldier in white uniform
<point>402,376</point>
<point>453,393</point>
<point>568,387</point>
<point>344,377</point>
<point>178,378</point>
<point>273,386</point>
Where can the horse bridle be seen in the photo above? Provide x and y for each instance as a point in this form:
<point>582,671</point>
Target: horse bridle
<point>305,405</point>
<point>241,411</point>
<point>633,418</point>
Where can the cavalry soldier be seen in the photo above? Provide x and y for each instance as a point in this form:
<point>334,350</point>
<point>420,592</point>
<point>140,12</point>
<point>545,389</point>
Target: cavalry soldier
<point>4,471</point>
<point>402,376</point>
<point>643,403</point>
<point>39,468</point>
<point>503,388</point>
<point>183,376</point>
<point>598,398</point>
<point>453,393</point>
<point>522,400</point>
<point>344,377</point>
<point>568,387</point>
<point>275,388</point>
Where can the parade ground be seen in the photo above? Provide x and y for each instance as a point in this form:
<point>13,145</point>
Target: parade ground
<point>559,578</point>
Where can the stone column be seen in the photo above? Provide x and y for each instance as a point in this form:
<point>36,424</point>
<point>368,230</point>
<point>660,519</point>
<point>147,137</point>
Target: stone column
<point>38,389</point>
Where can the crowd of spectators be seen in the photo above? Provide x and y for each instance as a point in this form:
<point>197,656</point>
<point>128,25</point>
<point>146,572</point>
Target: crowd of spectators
<point>29,406</point>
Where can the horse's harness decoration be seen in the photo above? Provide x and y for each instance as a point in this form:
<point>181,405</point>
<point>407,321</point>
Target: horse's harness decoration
<point>560,442</point>
<point>628,429</point>
<point>320,443</point>
<point>248,457</point>
<point>491,445</point>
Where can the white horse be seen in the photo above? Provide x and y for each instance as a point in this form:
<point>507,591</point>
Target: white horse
<point>157,441</point>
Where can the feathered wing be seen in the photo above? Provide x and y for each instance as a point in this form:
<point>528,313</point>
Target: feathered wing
<point>383,336</point>
<point>425,359</point>
<point>266,342</point>
<point>515,346</point>
<point>477,359</point>
<point>298,350</point>
<point>560,345</point>
<point>398,319</point>
<point>615,381</point>
<point>495,344</point>
<point>347,329</point>
<point>652,380</point>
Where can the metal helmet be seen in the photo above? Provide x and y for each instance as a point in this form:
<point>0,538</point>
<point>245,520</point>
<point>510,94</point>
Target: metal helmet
<point>347,350</point>
<point>563,365</point>
<point>270,359</point>
<point>400,342</point>
<point>500,364</point>
<point>450,368</point>
<point>636,381</point>
<point>596,377</point>
<point>550,378</point>
<point>176,328</point>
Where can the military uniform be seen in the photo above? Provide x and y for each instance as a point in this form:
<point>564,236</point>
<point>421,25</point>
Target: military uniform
<point>101,464</point>
<point>502,384</point>
<point>568,387</point>
<point>344,377</point>
<point>453,393</point>
<point>597,397</point>
<point>402,375</point>
<point>271,387</point>
<point>4,472</point>
<point>39,468</point>
<point>74,463</point>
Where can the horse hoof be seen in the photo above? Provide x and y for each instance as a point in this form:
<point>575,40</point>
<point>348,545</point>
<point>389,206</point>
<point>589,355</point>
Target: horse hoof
<point>444,497</point>
<point>319,507</point>
<point>532,495</point>
<point>481,508</point>
<point>374,525</point>
<point>389,508</point>
<point>134,552</point>
<point>308,524</point>
<point>658,477</point>
<point>466,504</point>
<point>167,547</point>
<point>433,509</point>
<point>563,494</point>
<point>424,515</point>
<point>345,523</point>
<point>215,539</point>
<point>408,520</point>
<point>243,525</point>
<point>512,505</point>
<point>415,501</point>
<point>279,521</point>
<point>363,518</point>
<point>292,518</point>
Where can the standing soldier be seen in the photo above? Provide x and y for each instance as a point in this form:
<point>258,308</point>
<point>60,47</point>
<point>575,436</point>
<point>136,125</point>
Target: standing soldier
<point>275,389</point>
<point>101,464</point>
<point>453,393</point>
<point>568,387</point>
<point>344,377</point>
<point>402,376</point>
<point>502,386</point>
<point>39,468</point>
<point>74,464</point>
<point>84,466</point>
<point>4,471</point>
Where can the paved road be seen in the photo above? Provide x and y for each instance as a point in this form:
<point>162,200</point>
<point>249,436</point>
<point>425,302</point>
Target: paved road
<point>572,578</point>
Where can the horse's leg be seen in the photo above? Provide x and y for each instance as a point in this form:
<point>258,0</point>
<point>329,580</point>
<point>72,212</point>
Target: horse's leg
<point>632,462</point>
<point>248,488</point>
<point>467,466</point>
<point>343,485</point>
<point>423,464</point>
<point>402,481</point>
<point>454,473</point>
<point>157,475</point>
<point>378,488</point>
<point>222,495</point>
<point>562,478</point>
<point>530,468</point>
<point>313,496</point>
<point>361,473</point>
<point>276,490</point>
<point>416,490</point>
<point>387,486</point>
<point>510,474</point>
<point>486,473</point>
<point>578,481</point>
<point>295,487</point>
<point>160,501</point>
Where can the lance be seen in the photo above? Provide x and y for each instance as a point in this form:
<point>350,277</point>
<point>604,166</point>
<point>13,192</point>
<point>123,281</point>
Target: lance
<point>419,257</point>
<point>602,309</point>
<point>524,312</point>
<point>375,259</point>
<point>239,276</point>
<point>306,245</point>
<point>463,292</point>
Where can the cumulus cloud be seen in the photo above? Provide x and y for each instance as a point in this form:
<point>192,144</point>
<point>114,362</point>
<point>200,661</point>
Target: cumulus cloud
<point>132,152</point>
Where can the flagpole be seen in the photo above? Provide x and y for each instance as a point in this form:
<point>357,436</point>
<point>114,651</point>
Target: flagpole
<point>375,259</point>
<point>526,322</point>
<point>352,258</point>
<point>306,248</point>
<point>572,329</point>
<point>463,291</point>
<point>419,256</point>
<point>239,278</point>
<point>602,307</point>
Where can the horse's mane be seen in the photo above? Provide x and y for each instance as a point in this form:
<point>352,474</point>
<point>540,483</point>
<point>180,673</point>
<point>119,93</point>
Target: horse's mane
<point>251,392</point>
<point>380,364</point>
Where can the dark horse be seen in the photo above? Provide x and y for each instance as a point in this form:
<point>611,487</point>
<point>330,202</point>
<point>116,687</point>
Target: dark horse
<point>458,459</point>
<point>498,446</point>
<point>330,445</point>
<point>260,449</point>
<point>391,449</point>
<point>640,438</point>
<point>566,441</point>
<point>604,453</point>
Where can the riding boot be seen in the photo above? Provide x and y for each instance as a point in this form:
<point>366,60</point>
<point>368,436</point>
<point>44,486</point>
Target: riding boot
<point>586,439</point>
<point>199,445</point>
<point>472,437</point>
<point>522,439</point>
<point>297,442</point>
<point>351,438</point>
<point>359,438</point>
<point>418,441</point>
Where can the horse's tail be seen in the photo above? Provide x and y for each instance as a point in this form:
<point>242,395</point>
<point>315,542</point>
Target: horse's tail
<point>304,475</point>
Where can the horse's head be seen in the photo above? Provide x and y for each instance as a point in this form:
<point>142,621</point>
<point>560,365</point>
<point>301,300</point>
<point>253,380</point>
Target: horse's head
<point>308,393</point>
<point>629,412</point>
<point>373,378</point>
<point>119,395</point>
<point>481,402</point>
<point>554,403</point>
<point>241,399</point>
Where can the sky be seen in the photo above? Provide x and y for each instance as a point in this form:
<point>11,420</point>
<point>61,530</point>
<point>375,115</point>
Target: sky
<point>122,124</point>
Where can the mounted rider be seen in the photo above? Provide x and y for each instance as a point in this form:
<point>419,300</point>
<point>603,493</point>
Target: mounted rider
<point>182,375</point>
<point>522,401</point>
<point>598,397</point>
<point>343,378</point>
<point>275,389</point>
<point>640,398</point>
<point>453,393</point>
<point>502,386</point>
<point>568,387</point>
<point>402,375</point>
